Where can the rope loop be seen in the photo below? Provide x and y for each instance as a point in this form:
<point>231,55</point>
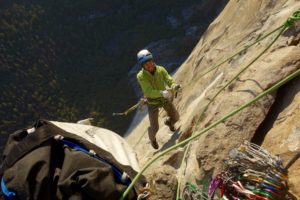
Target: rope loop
<point>292,19</point>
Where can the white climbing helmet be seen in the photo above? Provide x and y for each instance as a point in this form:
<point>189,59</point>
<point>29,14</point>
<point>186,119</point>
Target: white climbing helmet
<point>143,56</point>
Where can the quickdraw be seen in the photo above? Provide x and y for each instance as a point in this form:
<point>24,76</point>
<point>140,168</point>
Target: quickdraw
<point>251,173</point>
<point>145,192</point>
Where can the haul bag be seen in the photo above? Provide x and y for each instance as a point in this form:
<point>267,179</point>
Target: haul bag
<point>50,163</point>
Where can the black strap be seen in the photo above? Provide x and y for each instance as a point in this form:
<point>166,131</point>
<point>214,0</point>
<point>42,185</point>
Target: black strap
<point>27,144</point>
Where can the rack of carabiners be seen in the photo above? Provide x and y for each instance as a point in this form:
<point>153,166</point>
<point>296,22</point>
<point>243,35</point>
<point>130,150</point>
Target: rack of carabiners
<point>250,173</point>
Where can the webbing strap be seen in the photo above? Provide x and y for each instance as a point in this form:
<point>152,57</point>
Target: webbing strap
<point>27,144</point>
<point>121,176</point>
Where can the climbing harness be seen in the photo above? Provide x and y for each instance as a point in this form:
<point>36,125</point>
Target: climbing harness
<point>143,102</point>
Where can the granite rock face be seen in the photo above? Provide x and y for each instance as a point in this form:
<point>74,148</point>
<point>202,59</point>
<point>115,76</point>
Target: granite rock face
<point>272,122</point>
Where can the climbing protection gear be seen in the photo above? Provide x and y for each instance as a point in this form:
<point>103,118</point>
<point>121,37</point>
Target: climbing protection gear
<point>143,56</point>
<point>251,172</point>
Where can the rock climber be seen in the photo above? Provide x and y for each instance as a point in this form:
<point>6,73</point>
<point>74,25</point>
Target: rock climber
<point>153,80</point>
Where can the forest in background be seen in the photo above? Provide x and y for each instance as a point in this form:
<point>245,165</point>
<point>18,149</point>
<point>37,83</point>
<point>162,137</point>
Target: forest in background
<point>69,60</point>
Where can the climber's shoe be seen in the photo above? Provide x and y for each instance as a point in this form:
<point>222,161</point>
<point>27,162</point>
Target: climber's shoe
<point>171,126</point>
<point>154,144</point>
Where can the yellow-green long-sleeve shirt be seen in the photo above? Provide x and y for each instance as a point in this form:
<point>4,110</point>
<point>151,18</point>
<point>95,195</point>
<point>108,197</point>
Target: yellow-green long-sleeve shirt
<point>153,84</point>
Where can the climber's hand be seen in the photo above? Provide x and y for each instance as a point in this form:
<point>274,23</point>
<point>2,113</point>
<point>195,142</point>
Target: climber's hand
<point>166,94</point>
<point>176,87</point>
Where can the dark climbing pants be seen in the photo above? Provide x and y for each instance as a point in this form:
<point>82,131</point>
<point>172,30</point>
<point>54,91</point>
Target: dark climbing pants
<point>153,111</point>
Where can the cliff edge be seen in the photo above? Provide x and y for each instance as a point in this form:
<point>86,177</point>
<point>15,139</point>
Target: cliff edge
<point>272,122</point>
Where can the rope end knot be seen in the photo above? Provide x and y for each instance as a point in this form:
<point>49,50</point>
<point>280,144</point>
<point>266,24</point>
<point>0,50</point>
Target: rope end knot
<point>292,19</point>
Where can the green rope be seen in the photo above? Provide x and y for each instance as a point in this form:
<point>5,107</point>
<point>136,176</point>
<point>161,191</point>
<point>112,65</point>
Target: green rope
<point>132,108</point>
<point>241,71</point>
<point>292,19</point>
<point>239,52</point>
<point>192,188</point>
<point>289,22</point>
<point>197,134</point>
<point>283,27</point>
